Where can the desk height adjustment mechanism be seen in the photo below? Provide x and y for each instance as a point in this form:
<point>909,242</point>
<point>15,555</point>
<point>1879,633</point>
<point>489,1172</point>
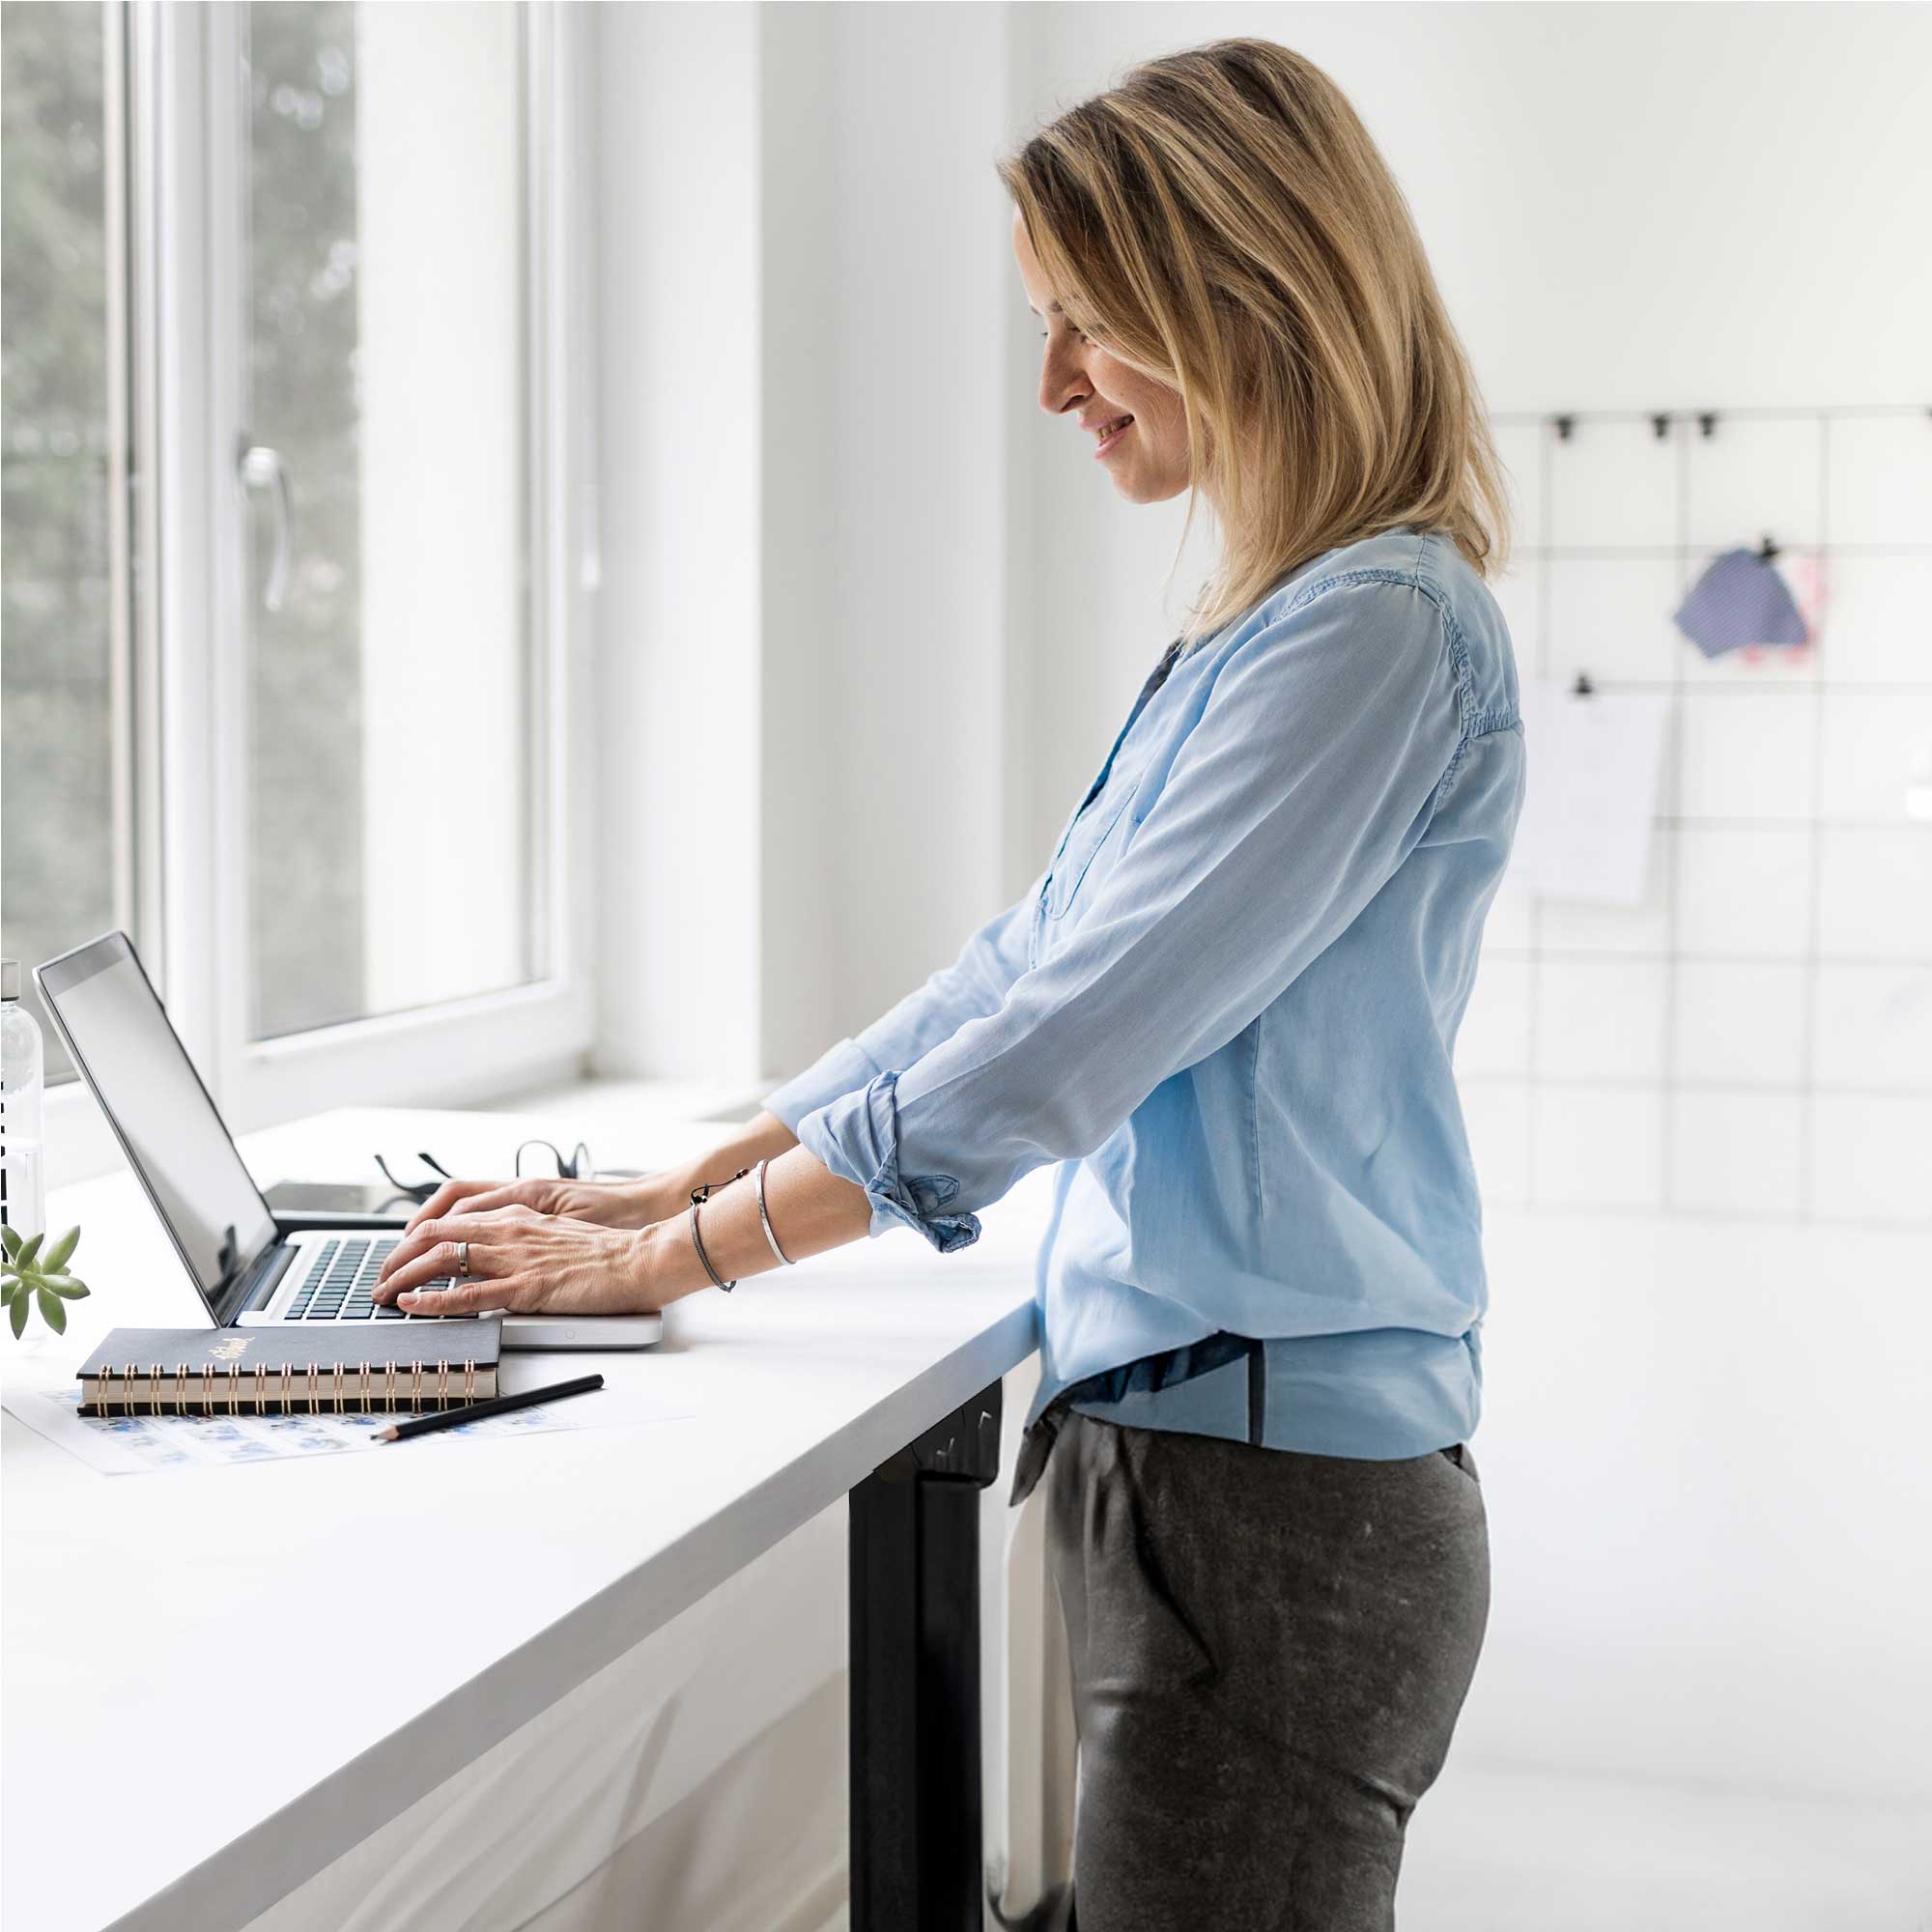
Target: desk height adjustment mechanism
<point>918,1830</point>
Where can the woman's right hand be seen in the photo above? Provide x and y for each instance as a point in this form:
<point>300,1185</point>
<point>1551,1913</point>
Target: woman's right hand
<point>611,1203</point>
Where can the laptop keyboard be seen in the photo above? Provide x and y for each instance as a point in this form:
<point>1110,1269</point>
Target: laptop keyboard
<point>341,1281</point>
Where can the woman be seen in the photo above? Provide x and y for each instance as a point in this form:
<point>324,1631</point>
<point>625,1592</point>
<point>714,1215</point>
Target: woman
<point>1226,1006</point>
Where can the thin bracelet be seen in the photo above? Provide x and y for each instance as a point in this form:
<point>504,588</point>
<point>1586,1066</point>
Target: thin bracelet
<point>696,1242</point>
<point>783,1258</point>
<point>698,1195</point>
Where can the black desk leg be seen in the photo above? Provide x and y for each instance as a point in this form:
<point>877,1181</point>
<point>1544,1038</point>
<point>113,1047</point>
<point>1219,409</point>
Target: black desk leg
<point>916,1829</point>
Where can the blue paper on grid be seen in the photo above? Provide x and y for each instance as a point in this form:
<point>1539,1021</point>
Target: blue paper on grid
<point>1741,599</point>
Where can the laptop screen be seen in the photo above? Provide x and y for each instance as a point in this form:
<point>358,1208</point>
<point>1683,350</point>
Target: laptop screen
<point>148,1088</point>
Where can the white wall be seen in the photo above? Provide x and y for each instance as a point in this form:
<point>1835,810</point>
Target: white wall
<point>870,620</point>
<point>801,517</point>
<point>1708,1510</point>
<point>1683,206</point>
<point>1754,1036</point>
<point>802,636</point>
<point>1708,1548</point>
<point>895,610</point>
<point>679,695</point>
<point>804,517</point>
<point>920,468</point>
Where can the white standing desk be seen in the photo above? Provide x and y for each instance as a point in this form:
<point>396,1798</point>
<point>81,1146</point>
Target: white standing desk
<point>176,1756</point>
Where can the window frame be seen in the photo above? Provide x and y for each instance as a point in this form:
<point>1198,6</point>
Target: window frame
<point>186,128</point>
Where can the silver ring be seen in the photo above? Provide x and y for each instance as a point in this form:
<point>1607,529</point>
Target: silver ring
<point>463,1258</point>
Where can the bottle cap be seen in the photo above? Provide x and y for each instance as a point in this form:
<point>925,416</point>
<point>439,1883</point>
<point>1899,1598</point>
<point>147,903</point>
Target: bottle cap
<point>10,978</point>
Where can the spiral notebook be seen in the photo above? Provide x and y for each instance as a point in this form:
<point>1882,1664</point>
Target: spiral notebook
<point>291,1371</point>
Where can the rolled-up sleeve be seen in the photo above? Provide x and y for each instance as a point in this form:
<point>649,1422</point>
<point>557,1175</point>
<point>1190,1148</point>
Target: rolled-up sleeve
<point>1311,775</point>
<point>976,983</point>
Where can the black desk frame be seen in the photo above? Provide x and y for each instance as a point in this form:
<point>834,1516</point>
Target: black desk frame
<point>918,1827</point>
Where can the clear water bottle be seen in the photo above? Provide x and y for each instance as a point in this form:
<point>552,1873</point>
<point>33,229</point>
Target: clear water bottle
<point>23,1203</point>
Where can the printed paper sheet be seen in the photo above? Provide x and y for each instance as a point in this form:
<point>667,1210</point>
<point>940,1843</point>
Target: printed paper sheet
<point>123,1445</point>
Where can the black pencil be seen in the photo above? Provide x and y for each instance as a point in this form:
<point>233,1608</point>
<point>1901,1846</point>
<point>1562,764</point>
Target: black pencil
<point>474,1412</point>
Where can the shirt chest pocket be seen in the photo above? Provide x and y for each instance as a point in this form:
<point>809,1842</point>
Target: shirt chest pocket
<point>1091,830</point>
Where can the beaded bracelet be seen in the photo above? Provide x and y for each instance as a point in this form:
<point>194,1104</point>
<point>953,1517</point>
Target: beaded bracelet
<point>701,1194</point>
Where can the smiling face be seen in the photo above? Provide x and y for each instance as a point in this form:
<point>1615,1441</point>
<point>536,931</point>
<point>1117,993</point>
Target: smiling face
<point>1148,459</point>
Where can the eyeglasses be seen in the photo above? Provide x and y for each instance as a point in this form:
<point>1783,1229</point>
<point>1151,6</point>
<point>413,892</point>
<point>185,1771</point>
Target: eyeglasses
<point>417,1192</point>
<point>578,1165</point>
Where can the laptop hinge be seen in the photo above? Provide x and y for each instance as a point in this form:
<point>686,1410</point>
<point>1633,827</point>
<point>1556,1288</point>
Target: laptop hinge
<point>271,1269</point>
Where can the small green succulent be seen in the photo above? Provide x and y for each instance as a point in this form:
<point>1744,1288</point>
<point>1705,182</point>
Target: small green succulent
<point>25,1273</point>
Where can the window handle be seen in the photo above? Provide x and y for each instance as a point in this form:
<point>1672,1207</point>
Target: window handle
<point>260,467</point>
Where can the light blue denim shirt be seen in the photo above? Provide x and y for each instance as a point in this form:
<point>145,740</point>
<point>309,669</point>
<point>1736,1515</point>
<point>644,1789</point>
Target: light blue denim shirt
<point>1227,1006</point>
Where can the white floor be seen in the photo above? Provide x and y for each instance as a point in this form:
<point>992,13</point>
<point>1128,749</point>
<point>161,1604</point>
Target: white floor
<point>1495,1851</point>
<point>1492,1851</point>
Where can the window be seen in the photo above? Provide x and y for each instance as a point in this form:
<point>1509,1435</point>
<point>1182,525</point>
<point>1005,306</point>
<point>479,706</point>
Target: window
<point>387,625</point>
<point>294,440</point>
<point>65,796</point>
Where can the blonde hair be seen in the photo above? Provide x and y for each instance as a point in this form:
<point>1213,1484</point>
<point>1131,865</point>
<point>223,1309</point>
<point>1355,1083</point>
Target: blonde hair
<point>1221,221</point>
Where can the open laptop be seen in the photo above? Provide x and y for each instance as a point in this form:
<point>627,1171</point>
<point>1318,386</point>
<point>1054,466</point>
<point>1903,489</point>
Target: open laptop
<point>251,1268</point>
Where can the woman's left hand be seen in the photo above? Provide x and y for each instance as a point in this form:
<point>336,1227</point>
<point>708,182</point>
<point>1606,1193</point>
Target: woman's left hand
<point>523,1263</point>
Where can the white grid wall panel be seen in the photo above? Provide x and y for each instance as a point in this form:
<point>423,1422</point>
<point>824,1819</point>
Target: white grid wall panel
<point>1755,1037</point>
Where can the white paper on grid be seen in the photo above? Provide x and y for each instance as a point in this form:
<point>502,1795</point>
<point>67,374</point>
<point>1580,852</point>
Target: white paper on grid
<point>1590,796</point>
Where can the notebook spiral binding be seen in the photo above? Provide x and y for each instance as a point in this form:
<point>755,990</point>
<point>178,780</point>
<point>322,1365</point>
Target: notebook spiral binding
<point>275,1391</point>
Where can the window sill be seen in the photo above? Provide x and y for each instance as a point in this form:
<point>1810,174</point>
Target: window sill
<point>603,1112</point>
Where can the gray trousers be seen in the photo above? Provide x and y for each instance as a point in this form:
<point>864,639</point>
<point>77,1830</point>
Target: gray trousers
<point>1270,1650</point>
